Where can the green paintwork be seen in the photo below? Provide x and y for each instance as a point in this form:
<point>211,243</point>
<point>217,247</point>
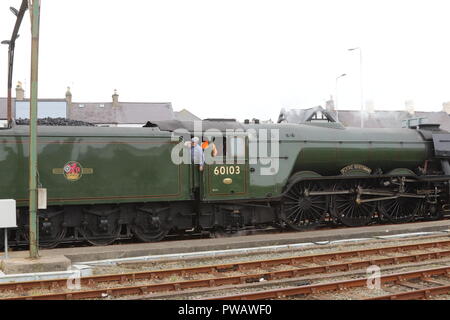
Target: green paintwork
<point>214,181</point>
<point>326,150</point>
<point>134,165</point>
<point>121,165</point>
<point>304,174</point>
<point>401,172</point>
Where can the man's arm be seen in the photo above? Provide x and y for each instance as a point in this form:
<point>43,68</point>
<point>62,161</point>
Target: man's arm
<point>214,150</point>
<point>202,161</point>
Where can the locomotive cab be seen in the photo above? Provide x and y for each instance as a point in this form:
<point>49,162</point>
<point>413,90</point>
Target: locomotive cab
<point>226,175</point>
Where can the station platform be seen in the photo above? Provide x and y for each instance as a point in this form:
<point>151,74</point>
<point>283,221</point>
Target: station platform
<point>59,259</point>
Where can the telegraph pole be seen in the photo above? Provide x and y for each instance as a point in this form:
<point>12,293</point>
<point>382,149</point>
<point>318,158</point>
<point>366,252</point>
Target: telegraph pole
<point>35,15</point>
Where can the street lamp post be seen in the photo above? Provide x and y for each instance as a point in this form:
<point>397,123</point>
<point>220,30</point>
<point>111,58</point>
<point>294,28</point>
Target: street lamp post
<point>360,82</point>
<point>11,46</point>
<point>336,95</point>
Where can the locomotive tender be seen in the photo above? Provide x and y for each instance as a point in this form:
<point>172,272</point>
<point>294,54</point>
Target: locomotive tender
<point>105,184</point>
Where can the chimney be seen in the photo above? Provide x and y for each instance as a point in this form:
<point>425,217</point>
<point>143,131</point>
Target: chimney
<point>329,105</point>
<point>446,107</point>
<point>20,93</point>
<point>68,97</point>
<point>409,107</point>
<point>115,98</point>
<point>370,106</point>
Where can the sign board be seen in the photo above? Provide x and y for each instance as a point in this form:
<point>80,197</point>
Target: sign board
<point>8,214</point>
<point>42,198</point>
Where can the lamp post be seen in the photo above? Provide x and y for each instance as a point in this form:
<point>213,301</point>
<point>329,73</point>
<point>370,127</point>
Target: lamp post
<point>336,95</point>
<point>360,83</point>
<point>11,46</point>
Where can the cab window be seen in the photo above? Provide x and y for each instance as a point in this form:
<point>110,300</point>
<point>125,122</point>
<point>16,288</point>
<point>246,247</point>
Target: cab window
<point>236,148</point>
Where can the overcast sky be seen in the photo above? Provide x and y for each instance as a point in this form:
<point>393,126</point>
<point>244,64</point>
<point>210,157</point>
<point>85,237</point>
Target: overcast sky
<point>237,58</point>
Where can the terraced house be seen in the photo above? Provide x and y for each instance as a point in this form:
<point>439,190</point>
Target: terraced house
<point>114,113</point>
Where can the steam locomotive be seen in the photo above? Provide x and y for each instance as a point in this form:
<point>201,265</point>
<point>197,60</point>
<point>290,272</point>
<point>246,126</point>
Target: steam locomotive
<point>105,184</point>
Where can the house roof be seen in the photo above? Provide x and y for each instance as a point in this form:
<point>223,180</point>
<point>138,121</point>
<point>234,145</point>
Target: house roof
<point>185,115</point>
<point>304,115</point>
<point>125,112</point>
<point>106,113</point>
<point>4,107</point>
<point>391,119</point>
<point>376,119</point>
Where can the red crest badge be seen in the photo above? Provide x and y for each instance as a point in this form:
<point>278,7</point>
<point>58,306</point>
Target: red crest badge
<point>73,171</point>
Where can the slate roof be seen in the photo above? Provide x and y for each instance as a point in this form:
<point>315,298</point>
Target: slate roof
<point>377,119</point>
<point>124,113</point>
<point>4,106</point>
<point>185,115</point>
<point>303,115</point>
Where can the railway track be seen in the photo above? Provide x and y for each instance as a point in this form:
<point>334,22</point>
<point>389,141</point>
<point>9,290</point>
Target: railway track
<point>136,283</point>
<point>427,293</point>
<point>399,278</point>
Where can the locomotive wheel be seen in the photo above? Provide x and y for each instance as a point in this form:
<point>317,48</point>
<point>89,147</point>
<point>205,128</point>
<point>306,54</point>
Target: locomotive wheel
<point>51,228</point>
<point>433,212</point>
<point>346,208</point>
<point>100,228</point>
<point>400,210</point>
<point>301,211</point>
<point>148,226</point>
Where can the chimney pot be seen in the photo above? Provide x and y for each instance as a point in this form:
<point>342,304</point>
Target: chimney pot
<point>446,107</point>
<point>115,98</point>
<point>20,93</point>
<point>68,96</point>
<point>370,106</point>
<point>409,107</point>
<point>329,105</point>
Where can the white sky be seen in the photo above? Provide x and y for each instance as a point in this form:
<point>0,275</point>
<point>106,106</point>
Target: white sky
<point>237,58</point>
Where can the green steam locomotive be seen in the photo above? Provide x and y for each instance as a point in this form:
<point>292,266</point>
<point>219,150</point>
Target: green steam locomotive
<point>105,184</point>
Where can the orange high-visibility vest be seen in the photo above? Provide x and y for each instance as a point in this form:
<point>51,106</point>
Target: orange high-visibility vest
<point>205,145</point>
